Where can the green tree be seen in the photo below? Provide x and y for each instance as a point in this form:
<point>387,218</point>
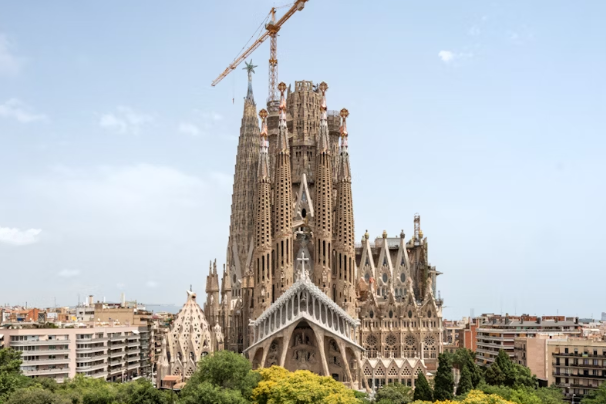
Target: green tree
<point>36,395</point>
<point>504,372</point>
<point>140,391</point>
<point>597,396</point>
<point>465,382</point>
<point>224,369</point>
<point>206,393</point>
<point>422,390</point>
<point>394,393</point>
<point>495,375</point>
<point>11,378</point>
<point>224,376</point>
<point>444,381</point>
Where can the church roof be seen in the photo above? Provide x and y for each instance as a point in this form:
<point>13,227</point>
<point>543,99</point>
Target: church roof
<point>309,313</point>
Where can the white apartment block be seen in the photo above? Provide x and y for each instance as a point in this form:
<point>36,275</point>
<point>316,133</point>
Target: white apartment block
<point>112,353</point>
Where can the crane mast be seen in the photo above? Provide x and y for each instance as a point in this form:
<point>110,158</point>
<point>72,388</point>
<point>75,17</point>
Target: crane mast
<point>271,31</point>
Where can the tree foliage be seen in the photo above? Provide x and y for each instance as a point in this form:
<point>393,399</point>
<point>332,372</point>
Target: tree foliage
<point>504,372</point>
<point>525,395</point>
<point>394,393</point>
<point>444,380</point>
<point>465,382</point>
<point>223,377</point>
<point>422,390</point>
<point>11,378</point>
<point>597,396</point>
<point>475,397</point>
<point>278,386</point>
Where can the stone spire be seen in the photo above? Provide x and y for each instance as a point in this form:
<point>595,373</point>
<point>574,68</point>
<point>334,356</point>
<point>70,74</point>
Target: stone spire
<point>211,307</point>
<point>262,253</point>
<point>344,227</point>
<point>241,228</point>
<point>323,201</point>
<point>282,214</point>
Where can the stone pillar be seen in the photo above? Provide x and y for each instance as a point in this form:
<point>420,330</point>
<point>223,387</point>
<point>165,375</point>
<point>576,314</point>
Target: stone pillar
<point>345,361</point>
<point>286,343</point>
<point>320,338</point>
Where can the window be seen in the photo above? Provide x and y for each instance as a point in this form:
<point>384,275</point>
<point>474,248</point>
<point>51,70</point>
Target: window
<point>402,277</point>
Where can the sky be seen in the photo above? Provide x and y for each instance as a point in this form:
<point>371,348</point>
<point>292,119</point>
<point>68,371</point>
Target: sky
<point>485,117</point>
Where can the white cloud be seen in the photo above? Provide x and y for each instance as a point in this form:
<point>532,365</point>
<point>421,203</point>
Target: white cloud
<point>446,56</point>
<point>151,284</point>
<point>120,285</point>
<point>189,129</point>
<point>18,110</point>
<point>449,57</point>
<point>125,121</point>
<point>19,237</point>
<point>68,273</point>
<point>10,64</point>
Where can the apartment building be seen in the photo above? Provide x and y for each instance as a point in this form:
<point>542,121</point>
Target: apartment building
<point>577,366</point>
<point>498,332</point>
<point>112,353</point>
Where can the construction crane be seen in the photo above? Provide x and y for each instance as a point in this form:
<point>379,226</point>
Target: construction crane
<point>271,31</point>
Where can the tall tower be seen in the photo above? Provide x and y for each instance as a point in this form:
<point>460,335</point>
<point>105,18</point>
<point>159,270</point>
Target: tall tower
<point>241,228</point>
<point>345,254</point>
<point>323,201</point>
<point>262,253</point>
<point>282,268</point>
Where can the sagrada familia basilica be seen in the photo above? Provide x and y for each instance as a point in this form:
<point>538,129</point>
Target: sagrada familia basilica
<point>296,289</point>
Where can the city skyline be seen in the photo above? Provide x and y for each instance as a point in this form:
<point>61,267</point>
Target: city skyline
<point>487,124</point>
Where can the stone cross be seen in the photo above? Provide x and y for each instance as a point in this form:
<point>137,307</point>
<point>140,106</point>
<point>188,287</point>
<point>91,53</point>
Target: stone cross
<point>303,274</point>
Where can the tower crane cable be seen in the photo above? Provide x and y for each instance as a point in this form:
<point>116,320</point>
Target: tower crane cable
<point>263,23</point>
<point>271,30</point>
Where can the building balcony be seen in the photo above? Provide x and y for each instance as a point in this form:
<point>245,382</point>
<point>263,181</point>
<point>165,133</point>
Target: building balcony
<point>119,338</point>
<point>36,343</point>
<point>133,359</point>
<point>45,362</point>
<point>133,344</point>
<point>46,352</point>
<point>98,375</point>
<point>116,345</point>
<point>91,358</point>
<point>115,371</point>
<point>82,369</point>
<point>39,372</point>
<point>92,349</point>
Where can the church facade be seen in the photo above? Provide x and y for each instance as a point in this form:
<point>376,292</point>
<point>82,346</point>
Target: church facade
<point>296,289</point>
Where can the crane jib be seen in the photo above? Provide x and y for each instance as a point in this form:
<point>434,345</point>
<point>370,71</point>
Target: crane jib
<point>271,29</point>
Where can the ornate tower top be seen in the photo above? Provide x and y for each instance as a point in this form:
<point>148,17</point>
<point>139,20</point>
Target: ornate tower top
<point>263,173</point>
<point>282,129</point>
<point>250,68</point>
<point>323,143</point>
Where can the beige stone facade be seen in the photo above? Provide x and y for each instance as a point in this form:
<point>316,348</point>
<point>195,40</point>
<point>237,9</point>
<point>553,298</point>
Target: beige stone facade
<point>576,365</point>
<point>188,339</point>
<point>296,289</point>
